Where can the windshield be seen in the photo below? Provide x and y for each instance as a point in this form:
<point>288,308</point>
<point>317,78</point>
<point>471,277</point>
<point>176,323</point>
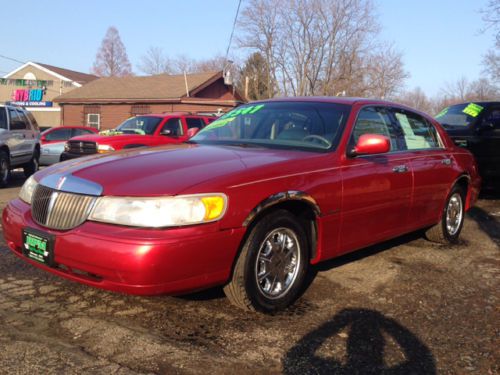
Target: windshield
<point>459,115</point>
<point>298,125</point>
<point>144,125</point>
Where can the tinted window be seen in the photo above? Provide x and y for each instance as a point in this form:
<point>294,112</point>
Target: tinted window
<point>175,127</point>
<point>298,125</point>
<point>373,120</point>
<point>32,119</point>
<point>3,118</point>
<point>195,123</point>
<point>139,125</point>
<point>58,135</point>
<point>418,133</point>
<point>15,121</point>
<point>459,115</point>
<point>493,118</point>
<point>25,124</point>
<point>77,132</point>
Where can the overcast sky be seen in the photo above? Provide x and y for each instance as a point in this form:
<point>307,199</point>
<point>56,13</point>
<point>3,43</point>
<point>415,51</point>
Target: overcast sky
<point>440,39</point>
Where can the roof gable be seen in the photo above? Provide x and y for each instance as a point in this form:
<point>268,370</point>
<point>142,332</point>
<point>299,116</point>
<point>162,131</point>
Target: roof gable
<point>78,78</point>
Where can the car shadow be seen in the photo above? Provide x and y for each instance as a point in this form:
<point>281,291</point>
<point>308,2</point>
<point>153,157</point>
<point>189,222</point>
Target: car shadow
<point>367,251</point>
<point>367,335</point>
<point>488,223</point>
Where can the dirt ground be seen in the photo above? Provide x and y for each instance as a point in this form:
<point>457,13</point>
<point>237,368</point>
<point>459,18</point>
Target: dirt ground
<point>403,307</point>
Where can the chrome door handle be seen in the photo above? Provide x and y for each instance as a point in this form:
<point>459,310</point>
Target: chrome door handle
<point>446,161</point>
<point>400,169</point>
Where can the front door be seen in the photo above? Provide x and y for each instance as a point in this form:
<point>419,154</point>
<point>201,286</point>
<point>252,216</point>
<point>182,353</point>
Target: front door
<point>377,189</point>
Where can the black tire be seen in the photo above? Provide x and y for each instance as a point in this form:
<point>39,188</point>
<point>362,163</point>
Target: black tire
<point>33,165</point>
<point>4,169</point>
<point>277,229</point>
<point>448,230</point>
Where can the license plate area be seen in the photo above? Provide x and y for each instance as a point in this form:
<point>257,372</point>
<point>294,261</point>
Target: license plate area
<point>38,246</point>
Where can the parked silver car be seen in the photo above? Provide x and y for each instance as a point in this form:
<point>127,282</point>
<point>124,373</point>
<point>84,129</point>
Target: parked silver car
<point>51,153</point>
<point>19,144</point>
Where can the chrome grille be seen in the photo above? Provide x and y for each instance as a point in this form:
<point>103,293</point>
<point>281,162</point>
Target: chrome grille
<point>60,210</point>
<point>82,147</point>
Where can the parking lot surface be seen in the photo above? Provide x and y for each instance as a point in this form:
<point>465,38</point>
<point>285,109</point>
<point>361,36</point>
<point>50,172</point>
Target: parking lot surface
<point>405,306</point>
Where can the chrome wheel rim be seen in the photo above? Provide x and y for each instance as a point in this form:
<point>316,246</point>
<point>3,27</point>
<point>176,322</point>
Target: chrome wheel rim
<point>4,170</point>
<point>277,263</point>
<point>454,214</point>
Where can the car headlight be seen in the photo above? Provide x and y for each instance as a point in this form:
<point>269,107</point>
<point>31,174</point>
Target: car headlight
<point>66,147</point>
<point>102,149</point>
<point>160,212</point>
<point>27,190</point>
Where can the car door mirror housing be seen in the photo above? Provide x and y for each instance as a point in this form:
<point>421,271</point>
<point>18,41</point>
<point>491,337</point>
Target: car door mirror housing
<point>166,132</point>
<point>369,144</point>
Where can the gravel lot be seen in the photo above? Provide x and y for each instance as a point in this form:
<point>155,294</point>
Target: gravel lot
<point>406,306</point>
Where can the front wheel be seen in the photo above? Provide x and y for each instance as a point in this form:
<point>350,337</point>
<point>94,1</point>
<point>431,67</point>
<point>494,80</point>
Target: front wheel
<point>4,169</point>
<point>270,270</point>
<point>449,228</point>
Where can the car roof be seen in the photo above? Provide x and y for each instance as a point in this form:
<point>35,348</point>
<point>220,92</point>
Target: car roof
<point>333,99</point>
<point>168,114</point>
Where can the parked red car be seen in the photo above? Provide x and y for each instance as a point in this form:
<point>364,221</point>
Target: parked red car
<point>249,203</point>
<point>63,133</point>
<point>138,131</point>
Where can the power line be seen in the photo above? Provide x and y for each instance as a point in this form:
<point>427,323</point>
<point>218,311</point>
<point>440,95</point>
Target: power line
<point>12,59</point>
<point>232,31</point>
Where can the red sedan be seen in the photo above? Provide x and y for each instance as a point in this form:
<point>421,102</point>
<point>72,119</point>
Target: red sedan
<point>249,203</point>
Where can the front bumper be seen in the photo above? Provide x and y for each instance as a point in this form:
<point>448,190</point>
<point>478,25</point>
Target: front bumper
<point>132,260</point>
<point>69,155</point>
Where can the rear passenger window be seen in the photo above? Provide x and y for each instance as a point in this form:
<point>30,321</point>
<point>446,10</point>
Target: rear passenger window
<point>417,131</point>
<point>175,127</point>
<point>59,135</point>
<point>32,120</point>
<point>3,118</point>
<point>24,120</point>
<point>15,121</point>
<point>372,120</point>
<point>195,123</point>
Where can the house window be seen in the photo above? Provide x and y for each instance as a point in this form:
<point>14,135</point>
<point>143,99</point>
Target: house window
<point>139,109</point>
<point>94,120</point>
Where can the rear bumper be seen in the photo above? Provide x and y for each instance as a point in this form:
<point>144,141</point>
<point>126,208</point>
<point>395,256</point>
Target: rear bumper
<point>131,260</point>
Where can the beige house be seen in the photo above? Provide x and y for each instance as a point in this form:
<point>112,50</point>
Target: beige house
<point>35,85</point>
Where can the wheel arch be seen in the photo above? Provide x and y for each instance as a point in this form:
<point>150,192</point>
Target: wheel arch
<point>299,204</point>
<point>464,181</point>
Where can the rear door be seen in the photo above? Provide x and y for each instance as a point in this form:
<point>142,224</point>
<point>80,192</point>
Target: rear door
<point>172,131</point>
<point>487,146</point>
<point>376,188</point>
<point>16,138</point>
<point>432,165</point>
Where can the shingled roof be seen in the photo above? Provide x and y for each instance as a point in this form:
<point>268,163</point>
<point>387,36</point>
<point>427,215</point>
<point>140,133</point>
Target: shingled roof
<point>78,77</point>
<point>154,88</point>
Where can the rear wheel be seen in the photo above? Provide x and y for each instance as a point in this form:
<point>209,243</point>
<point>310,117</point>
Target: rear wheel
<point>33,164</point>
<point>4,169</point>
<point>270,270</point>
<point>449,228</point>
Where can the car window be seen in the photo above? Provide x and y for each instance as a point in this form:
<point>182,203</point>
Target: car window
<point>374,120</point>
<point>3,118</point>
<point>493,118</point>
<point>139,125</point>
<point>175,127</point>
<point>77,132</point>
<point>15,121</point>
<point>58,135</point>
<point>24,120</point>
<point>418,133</point>
<point>459,115</point>
<point>195,123</point>
<point>32,119</point>
<point>292,125</point>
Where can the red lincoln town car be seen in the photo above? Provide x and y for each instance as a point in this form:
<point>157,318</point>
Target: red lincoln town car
<point>249,203</point>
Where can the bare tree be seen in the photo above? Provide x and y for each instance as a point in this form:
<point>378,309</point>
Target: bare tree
<point>417,99</point>
<point>155,62</point>
<point>111,59</point>
<point>458,90</point>
<point>319,47</point>
<point>491,61</point>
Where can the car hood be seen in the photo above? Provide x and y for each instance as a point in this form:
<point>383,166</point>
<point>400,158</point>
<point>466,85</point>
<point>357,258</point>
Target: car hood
<point>106,139</point>
<point>168,170</point>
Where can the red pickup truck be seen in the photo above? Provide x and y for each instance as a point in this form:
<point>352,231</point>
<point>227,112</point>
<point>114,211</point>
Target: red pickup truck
<point>138,131</point>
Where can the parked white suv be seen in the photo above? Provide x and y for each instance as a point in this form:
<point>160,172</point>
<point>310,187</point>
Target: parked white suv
<point>19,144</point>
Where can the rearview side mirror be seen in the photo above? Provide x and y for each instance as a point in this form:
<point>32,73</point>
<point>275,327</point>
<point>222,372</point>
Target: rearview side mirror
<point>370,144</point>
<point>166,132</point>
